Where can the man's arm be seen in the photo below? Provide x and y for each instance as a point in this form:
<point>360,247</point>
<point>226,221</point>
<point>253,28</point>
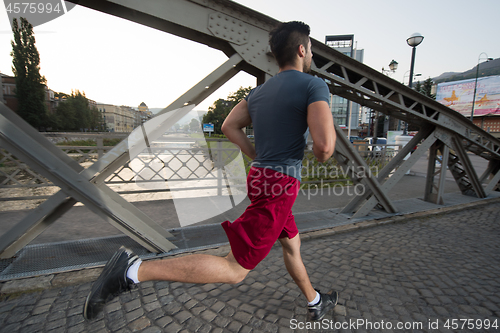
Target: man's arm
<point>235,121</point>
<point>320,122</point>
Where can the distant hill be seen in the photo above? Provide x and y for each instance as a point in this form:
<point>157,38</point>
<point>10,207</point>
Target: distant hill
<point>444,76</point>
<point>485,69</point>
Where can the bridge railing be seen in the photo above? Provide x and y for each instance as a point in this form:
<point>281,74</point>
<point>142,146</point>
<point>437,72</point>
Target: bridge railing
<point>181,164</point>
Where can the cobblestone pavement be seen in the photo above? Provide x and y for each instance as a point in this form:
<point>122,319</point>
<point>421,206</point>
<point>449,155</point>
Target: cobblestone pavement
<point>419,273</point>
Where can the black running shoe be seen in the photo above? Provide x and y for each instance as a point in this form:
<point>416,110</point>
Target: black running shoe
<point>112,281</point>
<point>325,304</point>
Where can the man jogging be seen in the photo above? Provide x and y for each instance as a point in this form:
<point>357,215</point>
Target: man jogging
<point>281,110</point>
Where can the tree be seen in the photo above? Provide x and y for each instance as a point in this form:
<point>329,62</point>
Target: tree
<point>194,125</point>
<point>75,114</point>
<point>218,112</point>
<point>418,86</point>
<point>426,88</point>
<point>30,85</point>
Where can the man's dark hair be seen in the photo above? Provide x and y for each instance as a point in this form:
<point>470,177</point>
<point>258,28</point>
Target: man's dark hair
<point>286,38</point>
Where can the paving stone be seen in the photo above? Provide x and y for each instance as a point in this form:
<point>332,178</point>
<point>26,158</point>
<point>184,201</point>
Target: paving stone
<point>55,324</point>
<point>208,315</point>
<point>133,315</point>
<point>132,305</point>
<point>193,324</point>
<point>152,329</point>
<point>139,324</point>
<point>173,327</point>
<point>164,321</point>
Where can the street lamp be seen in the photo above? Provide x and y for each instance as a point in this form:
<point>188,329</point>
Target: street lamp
<point>413,41</point>
<point>475,85</point>
<point>393,66</point>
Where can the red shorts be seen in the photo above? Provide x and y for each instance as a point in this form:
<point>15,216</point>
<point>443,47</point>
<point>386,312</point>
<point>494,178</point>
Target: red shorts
<point>267,218</point>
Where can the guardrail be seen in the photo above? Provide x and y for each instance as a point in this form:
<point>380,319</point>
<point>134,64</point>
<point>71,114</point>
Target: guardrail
<point>176,164</point>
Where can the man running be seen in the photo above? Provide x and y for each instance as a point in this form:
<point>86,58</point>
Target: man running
<point>282,110</point>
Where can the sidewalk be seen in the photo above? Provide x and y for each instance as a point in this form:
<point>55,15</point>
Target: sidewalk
<point>417,270</point>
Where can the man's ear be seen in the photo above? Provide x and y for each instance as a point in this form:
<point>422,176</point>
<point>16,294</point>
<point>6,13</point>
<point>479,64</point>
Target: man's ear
<point>302,51</point>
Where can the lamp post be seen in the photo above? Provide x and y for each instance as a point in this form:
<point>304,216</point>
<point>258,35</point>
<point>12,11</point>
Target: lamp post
<point>413,41</point>
<point>393,66</point>
<point>475,85</point>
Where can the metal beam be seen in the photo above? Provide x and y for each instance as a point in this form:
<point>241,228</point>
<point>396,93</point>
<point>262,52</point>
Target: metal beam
<point>75,185</point>
<point>468,167</point>
<point>430,195</point>
<point>396,177</point>
<point>346,149</point>
<point>494,167</point>
<point>386,171</point>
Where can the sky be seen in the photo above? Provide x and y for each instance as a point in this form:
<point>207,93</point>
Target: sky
<point>120,62</point>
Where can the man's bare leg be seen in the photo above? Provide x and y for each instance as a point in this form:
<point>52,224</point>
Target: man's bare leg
<point>196,268</point>
<point>295,266</point>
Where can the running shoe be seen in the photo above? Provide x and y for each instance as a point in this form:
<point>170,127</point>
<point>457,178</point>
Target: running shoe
<point>112,281</point>
<point>325,304</point>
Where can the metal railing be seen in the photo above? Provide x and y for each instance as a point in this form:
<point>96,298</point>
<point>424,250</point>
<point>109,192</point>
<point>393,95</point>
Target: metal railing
<point>172,165</point>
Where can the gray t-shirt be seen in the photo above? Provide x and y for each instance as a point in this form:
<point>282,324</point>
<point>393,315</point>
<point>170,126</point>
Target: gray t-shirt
<point>278,109</point>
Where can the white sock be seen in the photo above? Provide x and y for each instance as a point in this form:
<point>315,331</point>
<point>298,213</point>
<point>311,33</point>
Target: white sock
<point>315,300</point>
<point>133,270</point>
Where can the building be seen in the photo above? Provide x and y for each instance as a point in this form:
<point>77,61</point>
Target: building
<point>9,98</point>
<point>117,118</point>
<point>122,118</point>
<point>8,91</point>
<point>143,114</point>
<point>341,107</point>
<point>143,107</point>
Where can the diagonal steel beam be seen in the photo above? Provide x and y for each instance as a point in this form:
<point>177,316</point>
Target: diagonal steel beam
<point>396,177</point>
<point>75,185</point>
<point>48,212</point>
<point>386,171</point>
<point>468,167</point>
<point>33,224</point>
<point>494,167</point>
<point>429,194</point>
<point>346,148</point>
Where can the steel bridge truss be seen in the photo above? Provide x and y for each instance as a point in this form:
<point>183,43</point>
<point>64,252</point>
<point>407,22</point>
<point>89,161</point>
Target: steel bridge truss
<point>242,34</point>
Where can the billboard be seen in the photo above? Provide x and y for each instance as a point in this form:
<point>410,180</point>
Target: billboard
<point>208,127</point>
<point>458,95</point>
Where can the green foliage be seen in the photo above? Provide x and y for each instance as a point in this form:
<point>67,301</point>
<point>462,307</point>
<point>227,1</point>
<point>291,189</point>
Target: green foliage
<point>30,85</point>
<point>425,88</point>
<point>90,142</point>
<point>215,136</point>
<point>75,114</point>
<point>194,125</point>
<point>418,86</point>
<point>218,112</point>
